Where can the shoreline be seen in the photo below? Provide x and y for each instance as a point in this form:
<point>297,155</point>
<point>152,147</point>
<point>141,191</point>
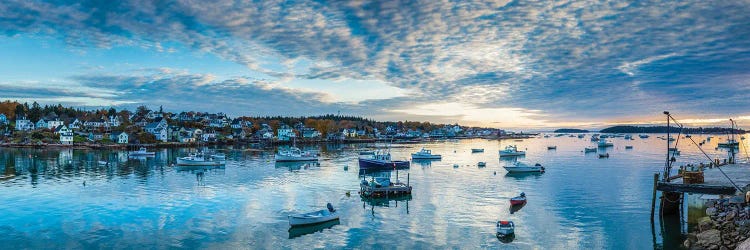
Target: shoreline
<point>726,225</point>
<point>94,145</point>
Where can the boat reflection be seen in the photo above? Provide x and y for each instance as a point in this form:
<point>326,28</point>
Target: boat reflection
<point>523,175</point>
<point>508,238</point>
<point>298,231</point>
<point>196,168</point>
<point>296,166</point>
<point>515,208</point>
<point>424,163</point>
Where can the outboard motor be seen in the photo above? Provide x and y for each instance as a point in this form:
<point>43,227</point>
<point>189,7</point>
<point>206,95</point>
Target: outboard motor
<point>523,194</point>
<point>330,208</point>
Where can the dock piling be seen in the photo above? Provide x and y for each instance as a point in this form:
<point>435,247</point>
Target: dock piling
<point>653,196</point>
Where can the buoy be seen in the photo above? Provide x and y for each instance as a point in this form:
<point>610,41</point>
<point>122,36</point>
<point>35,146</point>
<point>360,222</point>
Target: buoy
<point>494,173</point>
<point>348,194</point>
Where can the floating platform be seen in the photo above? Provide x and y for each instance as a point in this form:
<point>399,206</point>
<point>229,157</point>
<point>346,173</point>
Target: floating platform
<point>714,182</point>
<point>395,189</point>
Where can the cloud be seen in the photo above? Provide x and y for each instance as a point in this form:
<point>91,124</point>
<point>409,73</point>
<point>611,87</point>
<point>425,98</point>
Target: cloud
<point>568,61</point>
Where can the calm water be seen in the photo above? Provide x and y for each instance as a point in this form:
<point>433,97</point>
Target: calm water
<point>64,199</point>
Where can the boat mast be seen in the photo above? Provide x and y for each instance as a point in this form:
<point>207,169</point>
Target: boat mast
<point>731,142</point>
<point>667,163</point>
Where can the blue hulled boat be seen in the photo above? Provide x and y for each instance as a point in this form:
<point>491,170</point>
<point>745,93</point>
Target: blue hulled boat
<point>381,160</point>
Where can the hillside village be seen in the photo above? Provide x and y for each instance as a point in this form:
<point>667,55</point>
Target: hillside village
<point>24,124</point>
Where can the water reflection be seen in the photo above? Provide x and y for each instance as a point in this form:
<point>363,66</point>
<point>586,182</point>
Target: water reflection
<point>507,238</point>
<point>296,166</point>
<point>298,231</point>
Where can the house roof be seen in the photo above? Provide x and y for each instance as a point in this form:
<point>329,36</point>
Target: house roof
<point>152,125</point>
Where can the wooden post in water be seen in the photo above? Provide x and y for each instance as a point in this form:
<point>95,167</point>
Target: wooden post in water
<point>407,180</point>
<point>653,196</point>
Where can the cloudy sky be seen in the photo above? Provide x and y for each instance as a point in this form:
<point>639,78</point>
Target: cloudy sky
<point>507,64</point>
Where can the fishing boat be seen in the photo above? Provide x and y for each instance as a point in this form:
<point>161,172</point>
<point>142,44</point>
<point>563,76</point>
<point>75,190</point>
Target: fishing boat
<point>141,152</point>
<point>518,167</point>
<point>294,154</point>
<point>511,150</point>
<point>603,143</point>
<point>314,217</point>
<point>643,136</point>
<point>729,143</point>
<point>481,164</point>
<point>505,228</point>
<point>605,155</point>
<point>425,154</point>
<point>518,200</point>
<point>551,147</point>
<point>199,160</point>
<point>477,150</point>
<point>381,160</point>
<point>589,150</point>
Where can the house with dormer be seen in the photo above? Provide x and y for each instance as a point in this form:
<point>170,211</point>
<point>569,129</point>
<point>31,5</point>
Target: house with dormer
<point>23,124</point>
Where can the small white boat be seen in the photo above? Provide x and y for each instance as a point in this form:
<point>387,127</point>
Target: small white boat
<point>477,150</point>
<point>518,167</point>
<point>141,152</point>
<point>481,164</point>
<point>603,143</point>
<point>314,217</point>
<point>511,150</point>
<point>505,228</point>
<point>551,147</point>
<point>294,154</point>
<point>425,154</point>
<point>103,163</point>
<point>589,150</point>
<point>199,160</point>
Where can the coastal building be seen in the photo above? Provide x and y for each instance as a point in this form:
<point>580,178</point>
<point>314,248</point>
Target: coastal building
<point>66,134</point>
<point>349,132</point>
<point>310,133</point>
<point>54,123</point>
<point>3,119</point>
<point>158,128</point>
<point>41,124</point>
<point>119,137</point>
<point>76,124</point>
<point>115,121</point>
<point>239,133</point>
<point>336,136</point>
<point>238,123</point>
<point>208,136</point>
<point>95,136</point>
<point>23,124</point>
<point>285,133</point>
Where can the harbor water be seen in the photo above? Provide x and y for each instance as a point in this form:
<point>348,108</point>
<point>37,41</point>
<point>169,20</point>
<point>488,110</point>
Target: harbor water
<point>65,198</point>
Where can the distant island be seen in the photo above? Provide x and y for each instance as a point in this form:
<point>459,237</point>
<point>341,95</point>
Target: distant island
<point>571,130</point>
<point>663,129</point>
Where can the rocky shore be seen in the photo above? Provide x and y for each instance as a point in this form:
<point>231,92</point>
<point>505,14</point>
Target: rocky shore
<point>726,226</point>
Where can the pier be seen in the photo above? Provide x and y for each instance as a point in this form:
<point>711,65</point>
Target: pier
<point>714,182</point>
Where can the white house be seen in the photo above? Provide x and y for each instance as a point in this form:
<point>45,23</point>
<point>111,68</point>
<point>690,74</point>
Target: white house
<point>76,124</point>
<point>285,133</point>
<point>119,137</point>
<point>66,134</point>
<point>24,124</point>
<point>158,129</point>
<point>208,136</point>
<point>54,124</point>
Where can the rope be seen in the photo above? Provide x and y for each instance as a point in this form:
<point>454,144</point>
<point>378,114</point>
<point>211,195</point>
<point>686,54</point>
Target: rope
<point>704,153</point>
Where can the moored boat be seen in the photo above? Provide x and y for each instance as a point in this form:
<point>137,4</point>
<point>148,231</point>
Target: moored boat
<point>603,143</point>
<point>314,217</point>
<point>518,167</point>
<point>551,147</point>
<point>605,155</point>
<point>729,143</point>
<point>381,160</point>
<point>643,136</point>
<point>425,154</point>
<point>518,200</point>
<point>477,150</point>
<point>199,160</point>
<point>294,154</point>
<point>141,152</point>
<point>628,147</point>
<point>481,164</point>
<point>511,150</point>
<point>589,150</point>
<point>505,228</point>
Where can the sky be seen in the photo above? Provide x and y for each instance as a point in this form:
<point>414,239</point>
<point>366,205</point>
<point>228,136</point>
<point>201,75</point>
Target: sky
<point>504,64</point>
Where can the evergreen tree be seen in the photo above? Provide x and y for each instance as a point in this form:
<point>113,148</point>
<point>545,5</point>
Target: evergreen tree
<point>20,111</point>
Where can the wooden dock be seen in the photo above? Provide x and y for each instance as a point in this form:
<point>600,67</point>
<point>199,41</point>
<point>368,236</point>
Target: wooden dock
<point>714,182</point>
<point>395,189</point>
